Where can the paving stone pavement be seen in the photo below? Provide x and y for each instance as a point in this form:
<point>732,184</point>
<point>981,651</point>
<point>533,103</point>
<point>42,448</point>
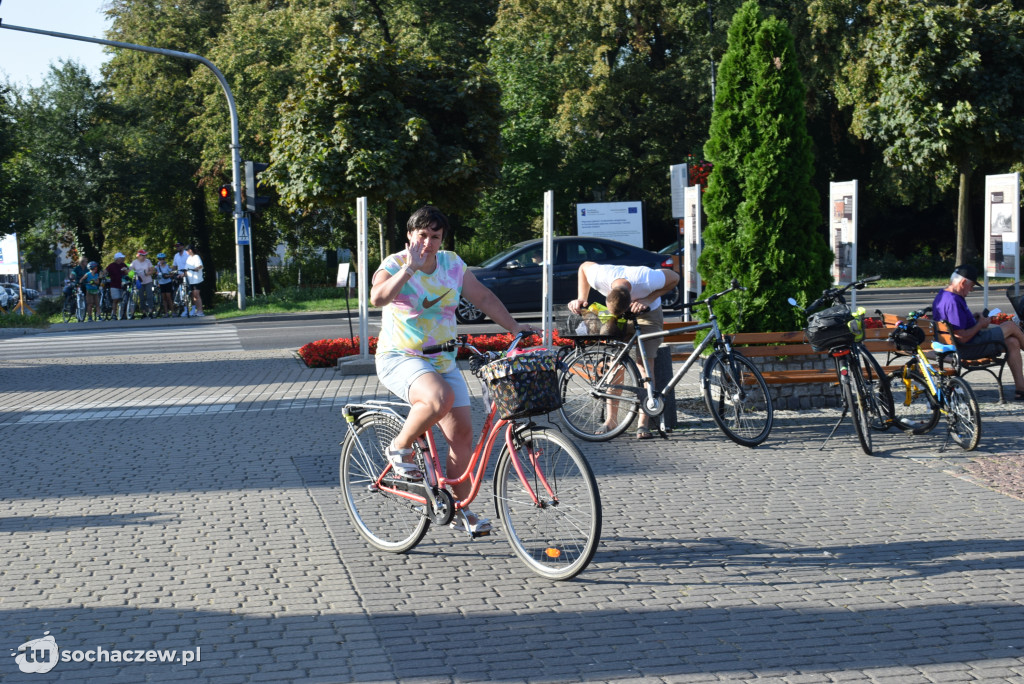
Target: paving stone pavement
<point>191,502</point>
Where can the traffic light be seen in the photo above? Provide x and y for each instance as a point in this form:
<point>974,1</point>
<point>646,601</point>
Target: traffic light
<point>226,199</point>
<point>253,201</point>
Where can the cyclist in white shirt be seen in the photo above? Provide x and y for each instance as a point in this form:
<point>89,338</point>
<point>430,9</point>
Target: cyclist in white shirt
<point>194,274</point>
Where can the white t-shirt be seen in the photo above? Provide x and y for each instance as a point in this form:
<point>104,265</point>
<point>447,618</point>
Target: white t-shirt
<point>643,280</point>
<point>194,277</point>
<point>141,268</point>
<point>180,261</point>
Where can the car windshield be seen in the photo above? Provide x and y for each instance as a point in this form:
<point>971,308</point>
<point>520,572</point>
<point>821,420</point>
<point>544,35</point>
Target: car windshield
<point>501,257</point>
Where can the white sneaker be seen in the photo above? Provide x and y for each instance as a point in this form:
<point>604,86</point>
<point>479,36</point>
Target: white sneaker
<point>199,314</point>
<point>193,311</point>
<point>184,314</point>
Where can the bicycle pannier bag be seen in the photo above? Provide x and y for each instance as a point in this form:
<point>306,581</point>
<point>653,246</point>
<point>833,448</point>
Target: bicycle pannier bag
<point>524,384</point>
<point>829,328</point>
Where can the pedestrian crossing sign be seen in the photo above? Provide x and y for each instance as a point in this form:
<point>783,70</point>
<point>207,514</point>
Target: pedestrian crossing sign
<point>243,231</point>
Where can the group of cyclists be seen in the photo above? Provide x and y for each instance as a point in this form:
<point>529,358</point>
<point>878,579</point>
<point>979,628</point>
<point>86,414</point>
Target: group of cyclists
<point>120,282</point>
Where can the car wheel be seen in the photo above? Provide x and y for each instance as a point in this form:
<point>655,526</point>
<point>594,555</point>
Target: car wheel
<point>672,300</point>
<point>467,313</point>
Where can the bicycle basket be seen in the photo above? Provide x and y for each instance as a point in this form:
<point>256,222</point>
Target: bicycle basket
<point>907,339</point>
<point>525,384</point>
<point>830,328</point>
<point>595,326</point>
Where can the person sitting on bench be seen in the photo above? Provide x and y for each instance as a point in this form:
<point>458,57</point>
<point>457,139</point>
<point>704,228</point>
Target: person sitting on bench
<point>975,333</point>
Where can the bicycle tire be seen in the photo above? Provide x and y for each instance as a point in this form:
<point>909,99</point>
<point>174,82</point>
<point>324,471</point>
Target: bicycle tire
<point>80,307</point>
<point>557,539</point>
<point>67,312</point>
<point>881,407</point>
<point>130,307</point>
<point>585,414</point>
<point>742,410</point>
<point>388,522</point>
<point>915,409</point>
<point>855,394</point>
<point>963,417</point>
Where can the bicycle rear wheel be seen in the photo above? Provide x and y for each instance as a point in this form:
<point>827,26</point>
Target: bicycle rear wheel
<point>130,306</point>
<point>738,398</point>
<point>963,417</point>
<point>596,415</point>
<point>557,536</point>
<point>881,409</point>
<point>915,408</point>
<point>389,522</point>
<point>68,310</point>
<point>855,394</point>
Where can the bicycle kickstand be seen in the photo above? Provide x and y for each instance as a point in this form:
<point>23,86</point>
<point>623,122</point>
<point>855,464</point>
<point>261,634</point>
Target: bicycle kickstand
<point>834,428</point>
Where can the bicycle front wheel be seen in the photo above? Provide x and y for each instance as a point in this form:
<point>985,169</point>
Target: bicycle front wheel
<point>129,307</point>
<point>68,311</point>
<point>855,395</point>
<point>80,307</point>
<point>915,408</point>
<point>599,413</point>
<point>738,398</point>
<point>389,522</point>
<point>963,417</point>
<point>556,535</point>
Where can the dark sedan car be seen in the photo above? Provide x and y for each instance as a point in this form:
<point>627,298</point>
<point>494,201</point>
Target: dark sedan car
<point>515,274</point>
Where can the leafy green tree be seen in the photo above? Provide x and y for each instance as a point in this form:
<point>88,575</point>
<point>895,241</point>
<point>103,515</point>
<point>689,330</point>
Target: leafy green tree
<point>601,99</point>
<point>764,218</point>
<point>940,86</point>
<point>376,120</point>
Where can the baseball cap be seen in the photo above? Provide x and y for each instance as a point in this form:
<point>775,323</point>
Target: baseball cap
<point>179,244</point>
<point>119,256</point>
<point>967,271</point>
<point>142,252</point>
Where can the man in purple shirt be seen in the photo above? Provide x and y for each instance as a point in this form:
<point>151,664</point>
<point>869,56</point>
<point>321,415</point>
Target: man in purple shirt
<point>975,333</point>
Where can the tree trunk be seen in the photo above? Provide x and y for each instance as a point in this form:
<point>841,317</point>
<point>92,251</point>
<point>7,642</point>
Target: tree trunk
<point>391,234</point>
<point>966,250</point>
<point>262,275</point>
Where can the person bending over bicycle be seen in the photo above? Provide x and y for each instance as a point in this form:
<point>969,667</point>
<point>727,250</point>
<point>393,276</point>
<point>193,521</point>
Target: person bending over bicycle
<point>419,289</point>
<point>950,306</point>
<point>630,288</point>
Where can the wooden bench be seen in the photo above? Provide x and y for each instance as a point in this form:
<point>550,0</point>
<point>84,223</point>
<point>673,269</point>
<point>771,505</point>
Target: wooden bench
<point>786,344</point>
<point>955,362</point>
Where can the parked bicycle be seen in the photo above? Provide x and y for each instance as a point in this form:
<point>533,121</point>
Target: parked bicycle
<point>74,302</point>
<point>106,311</point>
<point>922,393</point>
<point>867,397</point>
<point>602,390</point>
<point>182,296</point>
<point>129,303</point>
<point>544,491</point>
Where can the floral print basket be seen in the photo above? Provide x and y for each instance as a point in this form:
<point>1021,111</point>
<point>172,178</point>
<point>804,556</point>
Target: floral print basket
<point>524,384</point>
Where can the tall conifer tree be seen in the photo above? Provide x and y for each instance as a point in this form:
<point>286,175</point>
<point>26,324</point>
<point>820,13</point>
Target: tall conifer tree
<point>764,216</point>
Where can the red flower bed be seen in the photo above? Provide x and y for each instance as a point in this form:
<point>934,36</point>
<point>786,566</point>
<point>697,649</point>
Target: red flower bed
<point>325,353</point>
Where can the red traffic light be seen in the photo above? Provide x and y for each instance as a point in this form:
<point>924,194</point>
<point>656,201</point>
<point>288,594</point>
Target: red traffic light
<point>226,200</point>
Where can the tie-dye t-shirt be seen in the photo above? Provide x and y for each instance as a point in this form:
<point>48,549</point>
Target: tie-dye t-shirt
<point>423,313</point>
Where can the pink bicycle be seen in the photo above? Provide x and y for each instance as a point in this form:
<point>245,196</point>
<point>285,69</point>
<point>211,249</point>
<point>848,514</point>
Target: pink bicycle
<point>545,493</point>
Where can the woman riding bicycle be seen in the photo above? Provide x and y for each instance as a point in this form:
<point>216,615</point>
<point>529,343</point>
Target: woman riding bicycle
<point>419,289</point>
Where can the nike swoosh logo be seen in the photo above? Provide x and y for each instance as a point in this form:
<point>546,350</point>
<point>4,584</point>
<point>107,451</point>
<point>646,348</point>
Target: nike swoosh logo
<point>427,303</point>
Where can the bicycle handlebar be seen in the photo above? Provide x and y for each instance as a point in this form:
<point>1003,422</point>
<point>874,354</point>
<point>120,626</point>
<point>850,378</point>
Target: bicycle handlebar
<point>836,294</point>
<point>463,341</point>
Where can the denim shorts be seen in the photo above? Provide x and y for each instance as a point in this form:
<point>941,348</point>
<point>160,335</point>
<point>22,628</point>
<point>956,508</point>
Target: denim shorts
<point>398,371</point>
<point>985,343</point>
<point>115,293</point>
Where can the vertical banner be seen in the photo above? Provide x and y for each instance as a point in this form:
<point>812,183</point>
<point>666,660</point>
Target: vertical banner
<point>9,254</point>
<point>692,227</point>
<point>679,178</point>
<point>842,231</point>
<point>1002,226</point>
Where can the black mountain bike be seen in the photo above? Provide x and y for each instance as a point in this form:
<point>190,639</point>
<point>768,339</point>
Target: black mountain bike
<point>867,396</point>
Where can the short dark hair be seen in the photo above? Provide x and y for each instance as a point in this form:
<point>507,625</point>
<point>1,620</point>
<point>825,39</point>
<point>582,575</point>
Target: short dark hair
<point>618,300</point>
<point>429,217</point>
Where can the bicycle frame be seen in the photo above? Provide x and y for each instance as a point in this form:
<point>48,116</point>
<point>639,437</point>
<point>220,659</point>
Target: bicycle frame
<point>475,471</point>
<point>930,378</point>
<point>715,338</point>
